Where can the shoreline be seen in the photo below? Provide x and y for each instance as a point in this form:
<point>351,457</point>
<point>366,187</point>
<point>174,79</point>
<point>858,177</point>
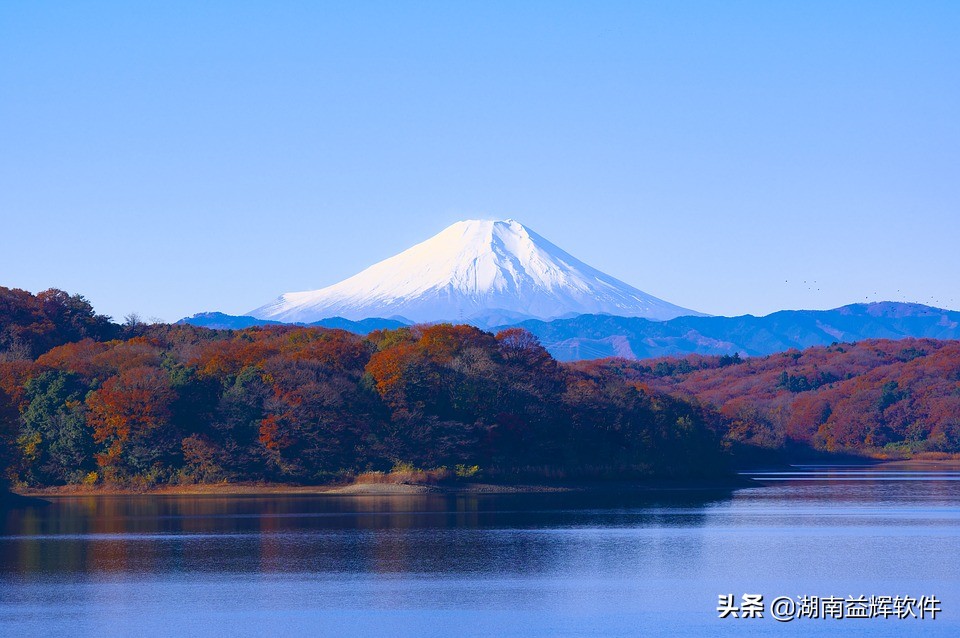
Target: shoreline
<point>383,489</point>
<point>255,489</point>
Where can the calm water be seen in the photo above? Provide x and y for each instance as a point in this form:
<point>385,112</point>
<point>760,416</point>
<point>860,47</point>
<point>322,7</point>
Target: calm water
<point>490,565</point>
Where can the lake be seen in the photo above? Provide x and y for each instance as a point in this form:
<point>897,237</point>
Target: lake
<point>555,564</point>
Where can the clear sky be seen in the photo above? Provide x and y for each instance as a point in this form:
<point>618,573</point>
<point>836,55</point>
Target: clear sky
<point>174,157</point>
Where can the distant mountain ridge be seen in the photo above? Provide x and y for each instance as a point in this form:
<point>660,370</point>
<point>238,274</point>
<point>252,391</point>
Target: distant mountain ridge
<point>598,336</point>
<point>478,272</point>
<point>221,321</point>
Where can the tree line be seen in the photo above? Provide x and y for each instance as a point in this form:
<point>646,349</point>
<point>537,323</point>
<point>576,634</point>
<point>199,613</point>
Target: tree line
<point>83,400</point>
<point>877,397</point>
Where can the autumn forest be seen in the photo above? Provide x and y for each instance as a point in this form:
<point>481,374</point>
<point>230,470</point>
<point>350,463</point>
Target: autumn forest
<point>84,400</point>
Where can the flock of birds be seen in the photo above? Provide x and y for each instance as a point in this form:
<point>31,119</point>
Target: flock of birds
<point>933,300</point>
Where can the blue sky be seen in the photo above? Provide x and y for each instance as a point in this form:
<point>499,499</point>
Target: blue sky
<point>174,157</point>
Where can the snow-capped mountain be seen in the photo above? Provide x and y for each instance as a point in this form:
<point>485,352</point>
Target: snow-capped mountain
<point>482,272</point>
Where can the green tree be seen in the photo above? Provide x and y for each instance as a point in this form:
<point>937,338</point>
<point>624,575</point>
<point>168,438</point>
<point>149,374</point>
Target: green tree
<point>55,441</point>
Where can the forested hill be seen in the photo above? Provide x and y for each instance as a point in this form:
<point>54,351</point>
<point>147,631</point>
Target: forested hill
<point>32,324</point>
<point>875,396</point>
<point>84,400</point>
<point>179,404</point>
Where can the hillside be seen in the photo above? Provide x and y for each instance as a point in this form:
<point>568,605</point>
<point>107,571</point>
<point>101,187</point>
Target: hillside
<point>876,396</point>
<point>86,400</point>
<point>176,404</point>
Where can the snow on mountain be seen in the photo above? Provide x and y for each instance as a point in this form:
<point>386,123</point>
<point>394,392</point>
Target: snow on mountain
<point>477,272</point>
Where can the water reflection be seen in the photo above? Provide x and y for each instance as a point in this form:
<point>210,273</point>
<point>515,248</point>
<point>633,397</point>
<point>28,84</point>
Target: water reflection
<point>411,533</point>
<point>479,565</point>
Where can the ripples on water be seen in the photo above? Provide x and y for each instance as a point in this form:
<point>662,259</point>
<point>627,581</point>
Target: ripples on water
<point>484,565</point>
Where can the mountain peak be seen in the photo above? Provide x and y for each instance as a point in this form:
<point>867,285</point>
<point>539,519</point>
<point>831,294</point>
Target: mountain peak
<point>475,271</point>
